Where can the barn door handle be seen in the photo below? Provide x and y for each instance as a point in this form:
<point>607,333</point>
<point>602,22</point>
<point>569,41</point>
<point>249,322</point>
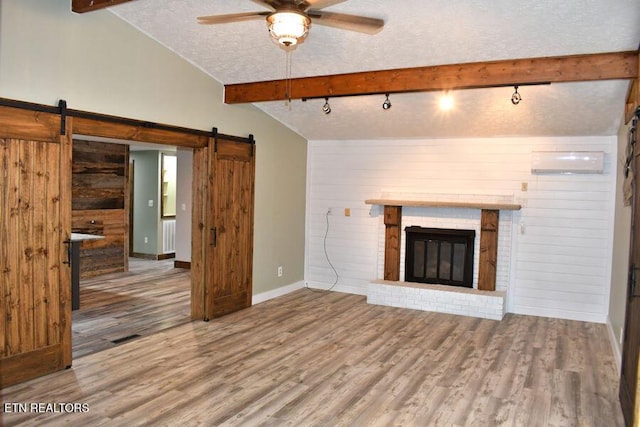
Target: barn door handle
<point>632,279</point>
<point>214,237</point>
<point>69,252</point>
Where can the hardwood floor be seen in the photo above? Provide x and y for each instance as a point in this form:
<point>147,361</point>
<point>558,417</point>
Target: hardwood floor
<point>114,308</point>
<point>330,359</point>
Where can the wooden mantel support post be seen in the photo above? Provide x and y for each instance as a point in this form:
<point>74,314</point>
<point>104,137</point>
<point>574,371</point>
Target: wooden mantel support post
<point>392,238</point>
<point>488,257</point>
<point>488,249</point>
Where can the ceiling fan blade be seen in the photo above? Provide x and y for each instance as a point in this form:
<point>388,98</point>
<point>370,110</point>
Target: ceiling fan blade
<point>233,17</point>
<point>269,4</point>
<point>361,24</point>
<point>319,4</point>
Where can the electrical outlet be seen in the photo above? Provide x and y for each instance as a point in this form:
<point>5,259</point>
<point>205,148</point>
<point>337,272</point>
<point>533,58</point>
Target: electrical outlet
<point>280,271</point>
<point>524,186</point>
<point>146,239</point>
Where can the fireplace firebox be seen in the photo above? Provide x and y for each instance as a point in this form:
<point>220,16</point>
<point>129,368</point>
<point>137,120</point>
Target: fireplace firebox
<point>439,256</point>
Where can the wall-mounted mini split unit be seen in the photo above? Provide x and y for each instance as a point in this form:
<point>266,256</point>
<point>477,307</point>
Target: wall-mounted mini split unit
<point>567,162</point>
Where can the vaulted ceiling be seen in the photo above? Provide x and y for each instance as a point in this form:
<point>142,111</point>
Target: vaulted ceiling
<point>417,33</point>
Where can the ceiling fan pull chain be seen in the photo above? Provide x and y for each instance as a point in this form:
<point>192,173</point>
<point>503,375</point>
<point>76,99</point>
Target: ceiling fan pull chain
<point>287,89</point>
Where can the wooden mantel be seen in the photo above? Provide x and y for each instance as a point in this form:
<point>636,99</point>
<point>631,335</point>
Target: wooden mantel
<point>488,234</point>
<point>439,204</point>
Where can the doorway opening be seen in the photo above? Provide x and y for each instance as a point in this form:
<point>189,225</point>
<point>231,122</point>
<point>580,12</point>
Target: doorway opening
<point>151,288</point>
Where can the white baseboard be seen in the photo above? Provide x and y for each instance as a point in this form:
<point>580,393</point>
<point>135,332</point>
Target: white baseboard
<point>614,345</point>
<point>559,314</point>
<point>347,289</point>
<point>275,293</point>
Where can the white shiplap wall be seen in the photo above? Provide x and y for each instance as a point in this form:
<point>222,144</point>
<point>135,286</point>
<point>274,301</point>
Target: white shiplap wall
<point>560,265</point>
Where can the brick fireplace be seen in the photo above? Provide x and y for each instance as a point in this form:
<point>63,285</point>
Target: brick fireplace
<point>491,219</point>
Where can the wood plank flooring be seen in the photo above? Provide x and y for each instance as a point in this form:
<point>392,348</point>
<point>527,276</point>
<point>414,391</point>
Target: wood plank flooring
<point>330,359</point>
<point>150,297</point>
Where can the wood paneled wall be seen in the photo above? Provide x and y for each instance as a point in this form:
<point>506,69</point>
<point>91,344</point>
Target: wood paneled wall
<point>100,205</point>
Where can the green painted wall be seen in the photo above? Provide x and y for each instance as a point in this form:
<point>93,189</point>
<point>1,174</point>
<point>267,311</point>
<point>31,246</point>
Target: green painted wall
<point>145,188</point>
<point>99,63</point>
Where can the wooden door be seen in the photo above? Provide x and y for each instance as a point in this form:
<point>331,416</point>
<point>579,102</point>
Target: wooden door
<point>35,220</point>
<point>631,344</point>
<point>229,252</point>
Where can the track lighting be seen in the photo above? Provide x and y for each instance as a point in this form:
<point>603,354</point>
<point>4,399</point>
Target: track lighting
<point>326,108</point>
<point>446,101</point>
<point>516,97</point>
<point>386,104</point>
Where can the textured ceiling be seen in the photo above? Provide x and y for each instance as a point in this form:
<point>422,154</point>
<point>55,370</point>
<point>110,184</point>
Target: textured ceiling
<point>416,33</point>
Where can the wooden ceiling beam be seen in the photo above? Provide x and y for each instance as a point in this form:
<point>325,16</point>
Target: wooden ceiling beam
<point>559,69</point>
<point>633,96</point>
<point>82,6</point>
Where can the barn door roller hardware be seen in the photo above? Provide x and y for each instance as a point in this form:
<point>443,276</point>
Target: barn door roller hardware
<point>62,105</point>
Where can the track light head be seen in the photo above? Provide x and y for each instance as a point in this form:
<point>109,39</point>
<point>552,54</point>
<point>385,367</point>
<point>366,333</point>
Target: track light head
<point>446,102</point>
<point>516,97</point>
<point>386,104</point>
<point>326,108</point>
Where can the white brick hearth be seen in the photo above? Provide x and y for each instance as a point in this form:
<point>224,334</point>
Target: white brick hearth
<point>438,298</point>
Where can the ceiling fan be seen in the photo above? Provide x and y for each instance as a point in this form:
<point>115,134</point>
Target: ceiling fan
<point>289,20</point>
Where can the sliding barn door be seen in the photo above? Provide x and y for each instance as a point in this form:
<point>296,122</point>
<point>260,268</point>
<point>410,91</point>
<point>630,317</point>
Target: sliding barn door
<point>229,249</point>
<point>631,344</point>
<point>35,220</point>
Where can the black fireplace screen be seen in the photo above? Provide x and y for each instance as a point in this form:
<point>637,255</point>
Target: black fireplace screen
<point>439,255</point>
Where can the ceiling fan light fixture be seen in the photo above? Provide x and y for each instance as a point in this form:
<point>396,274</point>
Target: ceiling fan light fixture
<point>288,28</point>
